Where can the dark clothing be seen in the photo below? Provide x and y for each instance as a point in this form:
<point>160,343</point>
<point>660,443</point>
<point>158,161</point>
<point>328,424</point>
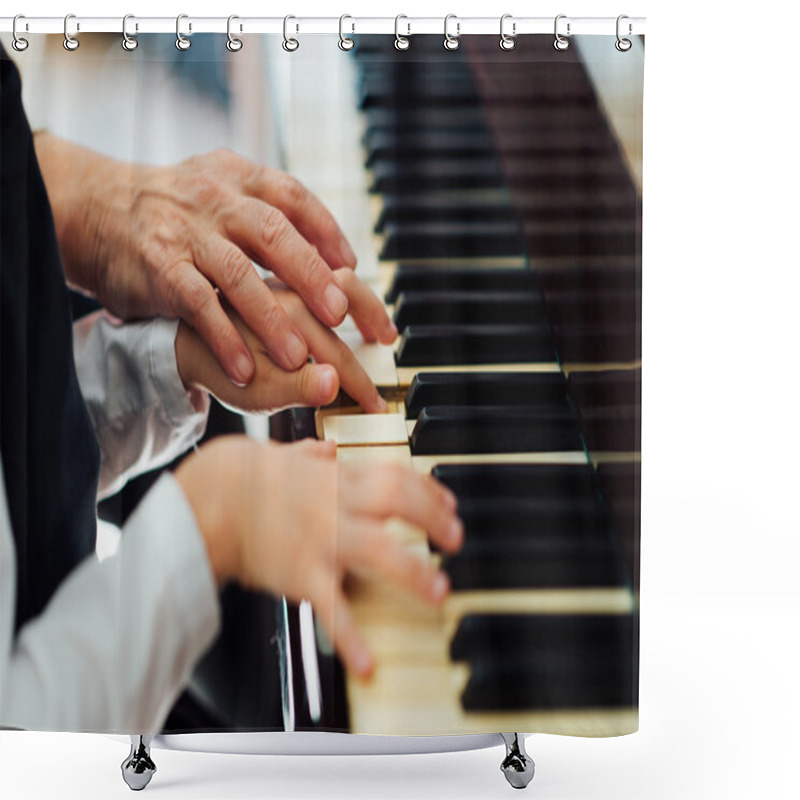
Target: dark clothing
<point>49,453</point>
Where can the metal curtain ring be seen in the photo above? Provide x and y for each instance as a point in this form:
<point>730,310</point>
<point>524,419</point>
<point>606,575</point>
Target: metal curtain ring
<point>345,43</point>
<point>623,45</point>
<point>233,44</point>
<point>70,42</point>
<point>19,44</point>
<point>181,42</point>
<point>401,42</point>
<point>560,42</point>
<point>128,42</point>
<point>451,42</point>
<point>507,42</point>
<point>289,45</point>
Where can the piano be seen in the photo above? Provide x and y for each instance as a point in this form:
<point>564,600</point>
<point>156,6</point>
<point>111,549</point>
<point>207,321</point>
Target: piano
<point>497,210</point>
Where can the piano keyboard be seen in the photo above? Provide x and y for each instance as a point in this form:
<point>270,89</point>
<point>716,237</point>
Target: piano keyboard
<point>491,207</point>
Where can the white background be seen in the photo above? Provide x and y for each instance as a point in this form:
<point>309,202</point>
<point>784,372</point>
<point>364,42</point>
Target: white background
<point>720,530</point>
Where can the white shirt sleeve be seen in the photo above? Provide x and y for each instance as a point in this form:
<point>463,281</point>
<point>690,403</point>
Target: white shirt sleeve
<point>118,640</point>
<point>142,415</point>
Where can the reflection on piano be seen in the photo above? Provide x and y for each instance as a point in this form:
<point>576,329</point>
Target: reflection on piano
<point>509,228</point>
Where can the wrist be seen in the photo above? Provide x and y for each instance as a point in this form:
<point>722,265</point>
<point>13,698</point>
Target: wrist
<point>186,356</point>
<point>203,478</point>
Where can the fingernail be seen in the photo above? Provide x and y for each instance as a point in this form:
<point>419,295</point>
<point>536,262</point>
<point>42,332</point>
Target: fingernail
<point>335,301</point>
<point>295,350</point>
<point>381,405</point>
<point>440,586</point>
<point>348,256</point>
<point>327,380</point>
<point>243,367</point>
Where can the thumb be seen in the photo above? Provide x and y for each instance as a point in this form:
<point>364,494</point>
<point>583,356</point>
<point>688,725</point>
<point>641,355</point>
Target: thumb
<point>315,385</point>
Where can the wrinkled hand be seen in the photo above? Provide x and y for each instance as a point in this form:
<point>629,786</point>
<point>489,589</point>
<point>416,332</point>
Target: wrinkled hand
<point>292,520</point>
<point>162,240</point>
<point>273,388</point>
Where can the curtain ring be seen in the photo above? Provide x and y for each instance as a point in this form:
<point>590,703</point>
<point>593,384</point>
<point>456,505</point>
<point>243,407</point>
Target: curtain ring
<point>233,44</point>
<point>128,42</point>
<point>560,42</point>
<point>19,44</point>
<point>401,42</point>
<point>451,42</point>
<point>623,45</point>
<point>345,43</point>
<point>507,42</point>
<point>289,45</point>
<point>70,42</point>
<point>181,42</point>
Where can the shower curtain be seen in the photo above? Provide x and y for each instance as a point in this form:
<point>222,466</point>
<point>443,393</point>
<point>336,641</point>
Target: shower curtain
<point>492,198</point>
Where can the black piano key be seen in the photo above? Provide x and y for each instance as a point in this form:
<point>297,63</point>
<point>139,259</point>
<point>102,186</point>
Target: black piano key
<point>562,116</point>
<point>600,635</point>
<point>409,145</point>
<point>492,523</point>
<point>620,483</point>
<point>452,240</point>
<point>392,177</point>
<point>454,143</point>
<point>537,564</point>
<point>444,89</point>
<point>430,174</point>
<point>427,118</point>
<point>594,307</point>
<point>531,686</point>
<point>562,202</point>
<point>430,277</point>
<point>617,278</point>
<point>495,429</point>
<point>442,345</point>
<point>488,206</point>
<point>598,344</point>
<point>612,429</point>
<point>589,664</point>
<point>482,207</point>
<point>563,481</point>
<point>620,486</point>
<point>579,238</point>
<point>619,387</point>
<point>430,389</point>
<point>468,308</point>
<point>441,91</point>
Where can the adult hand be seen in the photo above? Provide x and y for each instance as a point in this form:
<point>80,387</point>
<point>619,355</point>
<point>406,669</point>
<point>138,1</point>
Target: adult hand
<point>273,388</point>
<point>292,520</point>
<point>162,240</point>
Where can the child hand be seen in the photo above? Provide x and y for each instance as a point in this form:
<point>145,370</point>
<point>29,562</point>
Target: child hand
<point>314,384</point>
<point>292,520</point>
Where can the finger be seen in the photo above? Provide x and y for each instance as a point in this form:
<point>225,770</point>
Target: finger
<point>333,612</point>
<point>328,348</point>
<point>196,302</point>
<point>306,212</point>
<point>266,234</point>
<point>317,447</point>
<point>311,385</point>
<point>236,278</point>
<point>373,547</point>
<point>391,490</point>
<point>366,308</point>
